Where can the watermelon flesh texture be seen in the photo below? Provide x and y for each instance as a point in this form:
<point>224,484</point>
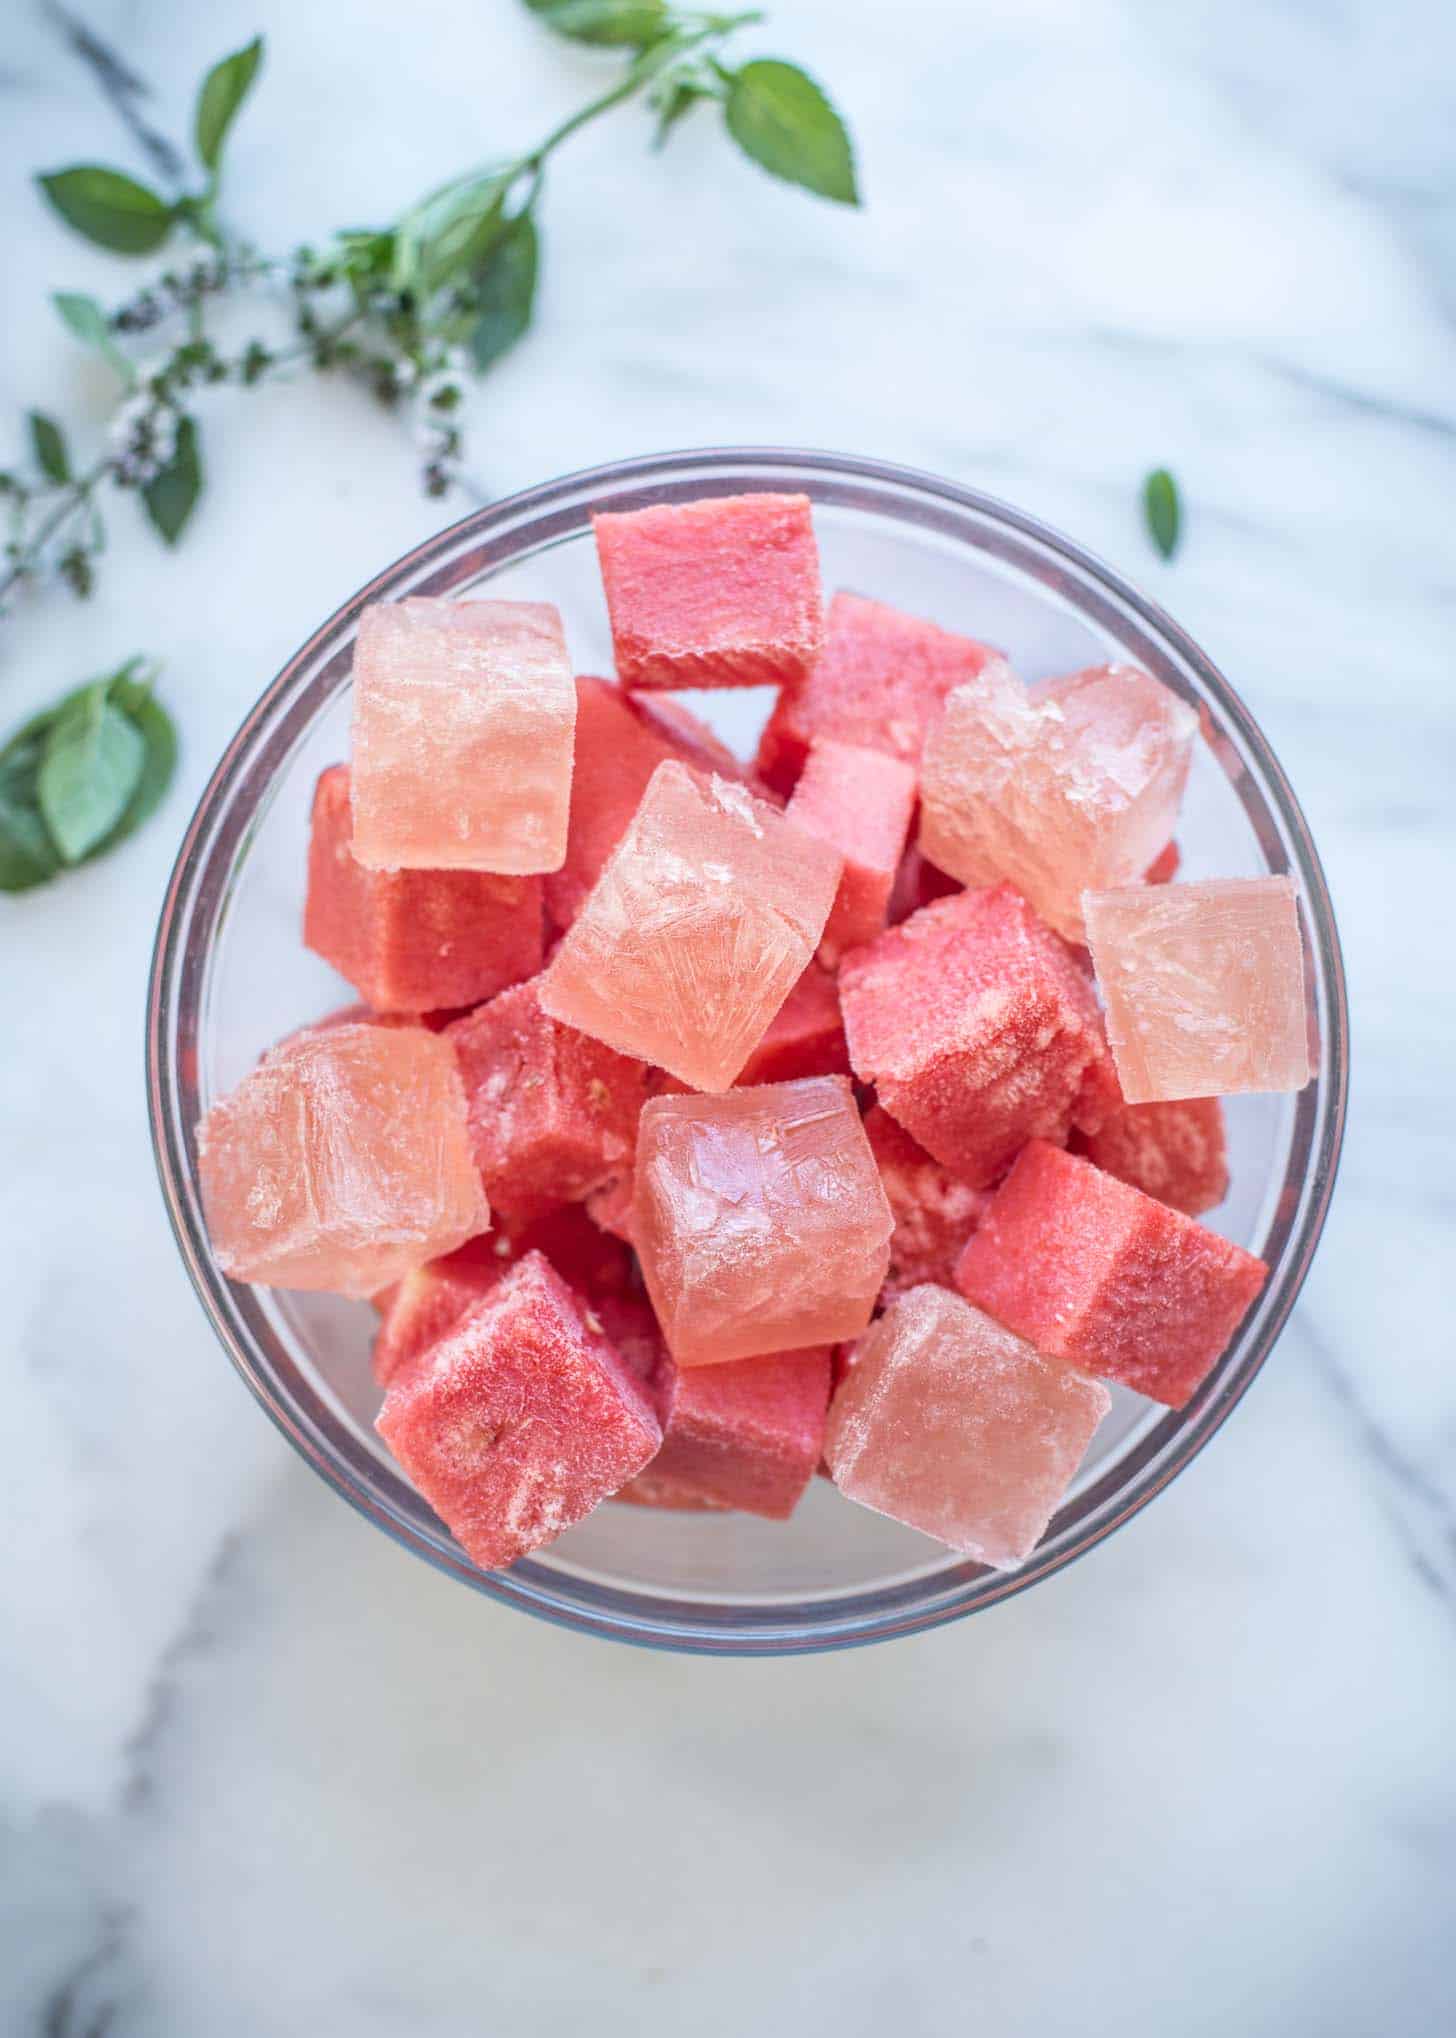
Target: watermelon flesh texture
<point>723,592</point>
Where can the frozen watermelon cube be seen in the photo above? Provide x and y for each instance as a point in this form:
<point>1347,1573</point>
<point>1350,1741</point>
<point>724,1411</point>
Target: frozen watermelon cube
<point>617,750</point>
<point>1073,784</point>
<point>723,592</point>
<point>341,1161</point>
<point>464,714</point>
<point>1204,987</point>
<point>1176,1152</point>
<point>980,1030</point>
<point>759,1219</point>
<point>708,912</point>
<point>880,684</point>
<point>805,1037</point>
<point>948,1423</point>
<point>746,1435</point>
<point>413,940</point>
<point>520,1420</point>
<point>1094,1272</point>
<point>860,801</point>
<point>418,1310</point>
<point>934,1212</point>
<point>553,1112</point>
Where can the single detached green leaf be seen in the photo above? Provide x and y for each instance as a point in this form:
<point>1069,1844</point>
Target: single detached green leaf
<point>94,754</point>
<point>92,328</point>
<point>505,292</point>
<point>778,115</point>
<point>111,209</point>
<point>27,854</point>
<point>1163,511</point>
<point>224,89</point>
<point>48,443</point>
<point>609,24</point>
<point>172,497</point>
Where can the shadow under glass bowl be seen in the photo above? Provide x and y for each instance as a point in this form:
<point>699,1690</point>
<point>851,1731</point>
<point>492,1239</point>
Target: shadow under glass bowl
<point>230,975</point>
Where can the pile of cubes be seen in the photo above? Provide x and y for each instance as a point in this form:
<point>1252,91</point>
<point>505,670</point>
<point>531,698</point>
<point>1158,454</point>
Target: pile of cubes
<point>705,1125</point>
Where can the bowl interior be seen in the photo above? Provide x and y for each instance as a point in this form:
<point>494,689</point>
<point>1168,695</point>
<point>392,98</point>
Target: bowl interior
<point>232,976</point>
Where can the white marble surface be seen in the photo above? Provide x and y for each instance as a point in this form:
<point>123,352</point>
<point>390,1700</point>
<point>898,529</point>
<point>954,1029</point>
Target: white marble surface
<point>262,1773</point>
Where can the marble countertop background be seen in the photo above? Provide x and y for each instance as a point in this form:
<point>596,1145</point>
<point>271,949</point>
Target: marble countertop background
<point>261,1773</point>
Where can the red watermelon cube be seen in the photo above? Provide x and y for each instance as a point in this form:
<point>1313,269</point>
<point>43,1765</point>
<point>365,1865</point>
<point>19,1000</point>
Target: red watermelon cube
<point>520,1420</point>
<point>413,940</point>
<point>881,683</point>
<point>552,1112</point>
<point>934,1213</point>
<point>861,801</point>
<point>979,1029</point>
<point>723,592</point>
<point>1092,1271</point>
<point>805,1037</point>
<point>1176,1152</point>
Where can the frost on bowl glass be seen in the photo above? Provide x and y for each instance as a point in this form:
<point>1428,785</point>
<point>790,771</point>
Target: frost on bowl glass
<point>230,976</point>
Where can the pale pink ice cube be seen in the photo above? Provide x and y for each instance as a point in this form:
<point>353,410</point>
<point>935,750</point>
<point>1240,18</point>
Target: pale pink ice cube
<point>1072,785</point>
<point>464,719</point>
<point>759,1219</point>
<point>342,1161</point>
<point>948,1423</point>
<point>705,917</point>
<point>1203,986</point>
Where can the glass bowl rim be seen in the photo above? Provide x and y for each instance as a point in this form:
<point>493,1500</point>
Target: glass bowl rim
<point>843,1619</point>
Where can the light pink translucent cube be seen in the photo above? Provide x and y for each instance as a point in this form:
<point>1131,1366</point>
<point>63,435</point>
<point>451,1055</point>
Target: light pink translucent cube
<point>1070,786</point>
<point>1203,986</point>
<point>759,1219</point>
<point>464,719</point>
<point>948,1423</point>
<point>342,1161</point>
<point>705,917</point>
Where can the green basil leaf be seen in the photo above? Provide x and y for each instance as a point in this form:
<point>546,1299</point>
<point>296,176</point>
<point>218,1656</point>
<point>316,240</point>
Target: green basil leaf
<point>224,89</point>
<point>609,24</point>
<point>113,210</point>
<point>505,292</point>
<point>779,116</point>
<point>48,443</point>
<point>91,326</point>
<point>450,234</point>
<point>172,497</point>
<point>94,754</point>
<point>27,854</point>
<point>1162,511</point>
<point>677,99</point>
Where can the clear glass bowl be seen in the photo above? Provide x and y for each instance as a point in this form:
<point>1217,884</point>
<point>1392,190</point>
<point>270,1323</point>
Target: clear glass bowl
<point>230,975</point>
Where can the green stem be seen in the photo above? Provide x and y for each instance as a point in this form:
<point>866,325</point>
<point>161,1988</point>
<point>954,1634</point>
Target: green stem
<point>75,497</point>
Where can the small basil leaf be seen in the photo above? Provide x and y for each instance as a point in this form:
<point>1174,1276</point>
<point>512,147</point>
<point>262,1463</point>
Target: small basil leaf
<point>89,773</point>
<point>677,99</point>
<point>505,292</point>
<point>172,497</point>
<point>779,116</point>
<point>609,24</point>
<point>224,89</point>
<point>48,443</point>
<point>113,210</point>
<point>1162,511</point>
<point>27,854</point>
<point>91,326</point>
